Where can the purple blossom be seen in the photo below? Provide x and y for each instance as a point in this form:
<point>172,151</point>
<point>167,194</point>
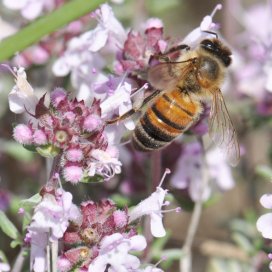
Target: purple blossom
<point>190,171</point>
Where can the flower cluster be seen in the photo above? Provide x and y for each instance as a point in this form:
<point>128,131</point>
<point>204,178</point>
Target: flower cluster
<point>95,236</point>
<point>103,229</point>
<point>70,128</point>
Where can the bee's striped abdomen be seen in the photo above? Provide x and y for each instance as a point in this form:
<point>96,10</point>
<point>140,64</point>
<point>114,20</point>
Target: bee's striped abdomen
<point>167,118</point>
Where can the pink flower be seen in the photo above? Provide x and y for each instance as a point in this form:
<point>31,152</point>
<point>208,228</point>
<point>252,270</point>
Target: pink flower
<point>23,134</point>
<point>73,173</point>
<point>74,155</point>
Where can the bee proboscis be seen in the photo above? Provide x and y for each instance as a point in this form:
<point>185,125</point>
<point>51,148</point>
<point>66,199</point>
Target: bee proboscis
<point>181,87</point>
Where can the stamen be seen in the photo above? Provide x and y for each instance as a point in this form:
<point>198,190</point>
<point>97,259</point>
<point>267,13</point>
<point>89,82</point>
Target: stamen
<point>166,203</point>
<point>177,210</point>
<point>217,7</point>
<point>167,171</point>
<point>164,258</point>
<point>122,80</point>
<point>144,87</point>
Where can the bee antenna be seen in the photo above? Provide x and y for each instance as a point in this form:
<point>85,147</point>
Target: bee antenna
<point>211,32</point>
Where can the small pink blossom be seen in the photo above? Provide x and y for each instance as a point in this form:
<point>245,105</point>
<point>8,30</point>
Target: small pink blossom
<point>73,173</point>
<point>23,134</point>
<point>92,122</point>
<point>120,218</point>
<point>39,137</point>
<point>74,155</point>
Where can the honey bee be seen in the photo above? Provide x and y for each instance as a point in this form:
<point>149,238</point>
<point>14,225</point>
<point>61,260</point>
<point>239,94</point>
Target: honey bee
<point>181,87</point>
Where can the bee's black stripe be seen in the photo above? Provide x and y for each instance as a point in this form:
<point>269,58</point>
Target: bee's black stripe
<point>154,132</point>
<point>165,119</point>
<point>171,101</point>
<point>145,140</point>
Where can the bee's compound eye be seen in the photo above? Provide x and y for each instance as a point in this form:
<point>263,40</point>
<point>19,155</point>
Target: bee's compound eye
<point>207,44</point>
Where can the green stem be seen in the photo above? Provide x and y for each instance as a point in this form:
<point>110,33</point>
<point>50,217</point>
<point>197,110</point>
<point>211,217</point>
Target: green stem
<point>46,25</point>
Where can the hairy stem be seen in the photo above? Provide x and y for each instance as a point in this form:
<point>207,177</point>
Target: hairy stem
<point>186,258</point>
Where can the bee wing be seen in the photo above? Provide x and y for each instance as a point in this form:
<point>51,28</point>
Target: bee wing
<point>166,75</point>
<point>221,129</point>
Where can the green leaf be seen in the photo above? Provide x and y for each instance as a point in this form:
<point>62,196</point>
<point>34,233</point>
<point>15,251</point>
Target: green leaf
<point>45,25</point>
<point>158,246</point>
<point>264,171</point>
<point>121,200</point>
<point>17,151</point>
<point>31,202</point>
<point>48,151</point>
<point>94,179</point>
<point>8,227</point>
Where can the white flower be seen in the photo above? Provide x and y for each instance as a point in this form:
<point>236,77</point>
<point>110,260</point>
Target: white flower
<point>198,34</point>
<point>264,223</point>
<point>4,267</point>
<point>104,164</point>
<point>152,206</point>
<point>50,221</point>
<point>114,251</point>
<point>22,96</point>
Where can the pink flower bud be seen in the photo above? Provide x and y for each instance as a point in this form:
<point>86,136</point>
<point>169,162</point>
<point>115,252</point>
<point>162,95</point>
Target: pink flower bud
<point>74,155</point>
<point>92,122</point>
<point>120,218</point>
<point>39,137</point>
<point>22,134</point>
<point>73,173</point>
<point>64,264</point>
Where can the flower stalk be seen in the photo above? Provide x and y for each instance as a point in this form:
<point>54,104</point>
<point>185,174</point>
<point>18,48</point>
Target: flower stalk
<point>186,258</point>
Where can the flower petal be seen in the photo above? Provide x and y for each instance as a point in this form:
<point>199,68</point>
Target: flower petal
<point>157,228</point>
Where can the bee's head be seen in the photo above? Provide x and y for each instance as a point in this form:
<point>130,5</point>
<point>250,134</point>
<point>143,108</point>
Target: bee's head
<point>216,48</point>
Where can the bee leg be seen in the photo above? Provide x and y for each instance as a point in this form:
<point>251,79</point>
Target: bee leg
<point>134,110</point>
<point>164,56</point>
